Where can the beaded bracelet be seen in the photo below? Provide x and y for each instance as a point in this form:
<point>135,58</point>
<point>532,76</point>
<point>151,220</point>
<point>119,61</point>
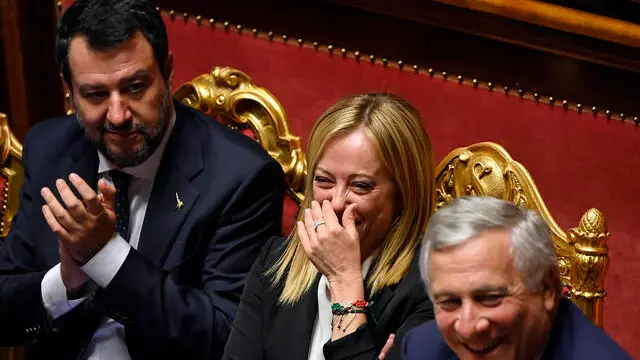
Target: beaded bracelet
<point>341,310</point>
<point>356,307</point>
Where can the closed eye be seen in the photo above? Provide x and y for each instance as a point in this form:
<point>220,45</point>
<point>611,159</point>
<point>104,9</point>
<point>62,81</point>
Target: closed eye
<point>322,181</point>
<point>362,187</point>
<point>448,304</point>
<point>489,300</point>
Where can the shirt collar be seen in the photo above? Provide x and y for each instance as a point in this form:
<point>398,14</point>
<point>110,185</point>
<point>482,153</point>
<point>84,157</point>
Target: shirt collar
<point>148,168</point>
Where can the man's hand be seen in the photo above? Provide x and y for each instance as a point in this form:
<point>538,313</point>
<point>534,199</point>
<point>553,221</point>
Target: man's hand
<point>83,226</point>
<point>387,346</point>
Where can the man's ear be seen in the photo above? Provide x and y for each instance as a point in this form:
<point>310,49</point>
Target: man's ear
<point>66,87</point>
<point>551,289</point>
<point>68,95</point>
<point>167,72</point>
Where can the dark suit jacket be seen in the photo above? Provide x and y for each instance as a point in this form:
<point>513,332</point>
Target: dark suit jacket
<point>178,293</point>
<point>265,330</point>
<point>573,337</point>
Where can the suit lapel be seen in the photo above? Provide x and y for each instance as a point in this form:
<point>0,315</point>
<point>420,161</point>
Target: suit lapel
<point>301,317</point>
<point>173,195</point>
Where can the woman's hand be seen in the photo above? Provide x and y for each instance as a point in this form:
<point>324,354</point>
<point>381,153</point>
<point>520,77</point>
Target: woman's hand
<point>334,249</point>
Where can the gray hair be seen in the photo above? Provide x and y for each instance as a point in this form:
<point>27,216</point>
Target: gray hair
<point>467,217</point>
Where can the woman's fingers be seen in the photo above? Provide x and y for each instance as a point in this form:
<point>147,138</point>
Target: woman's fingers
<point>329,215</point>
<point>308,223</point>
<point>349,220</point>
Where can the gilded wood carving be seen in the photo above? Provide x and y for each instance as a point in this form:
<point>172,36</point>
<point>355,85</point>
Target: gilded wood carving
<point>12,172</point>
<point>487,169</point>
<point>232,96</point>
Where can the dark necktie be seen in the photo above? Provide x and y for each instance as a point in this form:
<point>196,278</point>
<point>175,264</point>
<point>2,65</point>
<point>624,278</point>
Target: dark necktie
<point>121,182</point>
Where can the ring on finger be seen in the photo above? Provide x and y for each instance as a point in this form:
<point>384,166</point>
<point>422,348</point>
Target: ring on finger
<point>318,223</point>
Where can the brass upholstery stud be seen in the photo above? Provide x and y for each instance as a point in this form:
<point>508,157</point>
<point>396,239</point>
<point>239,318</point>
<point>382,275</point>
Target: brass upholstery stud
<point>212,21</point>
<point>551,100</point>
<point>270,35</point>
<point>300,41</point>
<point>400,64</point>
<point>536,96</point>
<point>506,89</point>
<point>384,61</point>
<point>636,120</point>
<point>343,51</point>
<point>198,19</point>
<point>356,54</point>
<point>430,71</point>
<point>594,110</point>
<point>490,86</point>
<point>172,14</point>
<point>285,38</point>
<point>254,31</point>
<point>608,113</point>
<point>475,83</point>
<point>372,58</point>
<point>59,5</point>
<point>226,25</point>
<point>416,68</point>
<point>444,74</point>
<point>330,48</point>
<point>579,107</point>
<point>239,28</point>
<point>315,44</point>
<point>521,92</point>
<point>622,116</point>
<point>185,16</point>
<point>460,79</point>
<point>565,104</point>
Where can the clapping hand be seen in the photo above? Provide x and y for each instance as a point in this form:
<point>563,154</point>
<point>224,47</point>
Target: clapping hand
<point>83,226</point>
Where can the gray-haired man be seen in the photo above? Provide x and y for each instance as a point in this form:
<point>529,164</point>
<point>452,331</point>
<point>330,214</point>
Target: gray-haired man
<point>491,271</point>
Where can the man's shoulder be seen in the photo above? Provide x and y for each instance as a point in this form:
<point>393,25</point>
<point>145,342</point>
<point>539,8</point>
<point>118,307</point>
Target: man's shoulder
<point>426,342</point>
<point>580,338</point>
<point>232,144</point>
<point>52,126</point>
<point>53,135</point>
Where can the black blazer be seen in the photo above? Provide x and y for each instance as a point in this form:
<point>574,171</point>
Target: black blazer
<point>178,293</point>
<point>265,330</point>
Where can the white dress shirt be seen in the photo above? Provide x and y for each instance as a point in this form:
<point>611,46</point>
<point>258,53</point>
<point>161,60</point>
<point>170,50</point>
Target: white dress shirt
<point>108,341</point>
<point>322,326</point>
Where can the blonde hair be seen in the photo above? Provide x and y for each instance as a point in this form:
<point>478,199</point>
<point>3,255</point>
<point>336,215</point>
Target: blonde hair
<point>403,146</point>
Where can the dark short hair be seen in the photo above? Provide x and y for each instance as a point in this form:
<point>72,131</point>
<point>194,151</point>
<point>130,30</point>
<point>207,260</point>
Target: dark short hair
<point>107,24</point>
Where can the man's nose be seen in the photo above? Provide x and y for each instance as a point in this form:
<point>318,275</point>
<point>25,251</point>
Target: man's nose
<point>118,112</point>
<point>470,323</point>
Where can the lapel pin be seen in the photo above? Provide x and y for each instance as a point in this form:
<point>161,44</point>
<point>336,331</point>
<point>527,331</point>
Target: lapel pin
<point>179,203</point>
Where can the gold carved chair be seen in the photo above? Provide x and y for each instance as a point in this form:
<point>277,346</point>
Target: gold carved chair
<point>487,169</point>
<point>11,178</point>
<point>11,175</point>
<point>231,96</point>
